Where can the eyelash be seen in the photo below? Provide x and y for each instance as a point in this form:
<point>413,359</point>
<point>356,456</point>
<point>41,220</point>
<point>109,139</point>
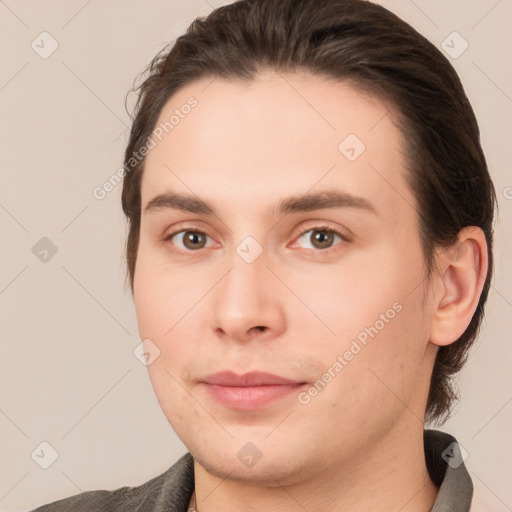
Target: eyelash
<point>301,234</point>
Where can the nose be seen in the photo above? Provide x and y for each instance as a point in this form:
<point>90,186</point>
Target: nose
<point>247,302</point>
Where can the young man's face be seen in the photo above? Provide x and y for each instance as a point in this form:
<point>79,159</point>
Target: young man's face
<point>243,289</point>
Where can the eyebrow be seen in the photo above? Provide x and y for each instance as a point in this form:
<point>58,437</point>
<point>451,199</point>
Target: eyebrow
<point>302,203</point>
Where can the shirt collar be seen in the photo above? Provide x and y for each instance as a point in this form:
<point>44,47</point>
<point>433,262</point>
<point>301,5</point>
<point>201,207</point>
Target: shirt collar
<point>445,464</point>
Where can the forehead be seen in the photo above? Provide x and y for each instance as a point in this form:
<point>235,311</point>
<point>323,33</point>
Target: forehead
<point>278,135</point>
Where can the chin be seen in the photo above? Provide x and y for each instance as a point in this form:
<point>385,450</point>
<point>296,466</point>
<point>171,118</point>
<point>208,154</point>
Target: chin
<point>259,462</point>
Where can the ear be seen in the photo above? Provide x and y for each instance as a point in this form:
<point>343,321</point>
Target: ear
<point>459,278</point>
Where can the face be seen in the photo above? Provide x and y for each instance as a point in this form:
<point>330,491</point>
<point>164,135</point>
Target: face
<point>278,235</point>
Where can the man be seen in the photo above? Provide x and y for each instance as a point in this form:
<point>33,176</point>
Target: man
<point>310,252</point>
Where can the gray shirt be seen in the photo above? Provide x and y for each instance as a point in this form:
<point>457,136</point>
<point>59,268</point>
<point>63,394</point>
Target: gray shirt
<point>171,491</point>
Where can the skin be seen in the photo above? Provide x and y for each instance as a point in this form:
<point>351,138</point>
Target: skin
<point>357,445</point>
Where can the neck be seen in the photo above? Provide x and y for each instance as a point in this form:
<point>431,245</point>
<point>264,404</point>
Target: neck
<point>389,477</point>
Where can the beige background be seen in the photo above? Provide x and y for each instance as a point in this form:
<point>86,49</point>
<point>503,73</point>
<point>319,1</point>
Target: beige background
<point>68,330</point>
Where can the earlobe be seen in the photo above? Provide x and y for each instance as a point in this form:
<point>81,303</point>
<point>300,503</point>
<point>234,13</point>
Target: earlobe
<point>461,272</point>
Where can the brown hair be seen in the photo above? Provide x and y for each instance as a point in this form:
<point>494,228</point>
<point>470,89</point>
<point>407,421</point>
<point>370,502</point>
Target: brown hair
<point>370,47</point>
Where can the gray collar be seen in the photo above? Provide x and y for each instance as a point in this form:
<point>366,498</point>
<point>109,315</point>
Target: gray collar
<point>445,465</point>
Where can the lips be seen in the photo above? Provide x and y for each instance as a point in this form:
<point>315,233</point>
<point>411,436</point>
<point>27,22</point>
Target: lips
<point>228,378</point>
<point>249,391</point>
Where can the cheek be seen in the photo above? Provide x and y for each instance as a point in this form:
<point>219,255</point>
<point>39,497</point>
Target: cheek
<point>364,379</point>
<point>342,299</point>
<point>162,296</point>
<point>369,312</point>
<point>163,309</point>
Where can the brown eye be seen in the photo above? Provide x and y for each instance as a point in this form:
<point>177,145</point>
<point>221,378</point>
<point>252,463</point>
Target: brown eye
<point>320,238</point>
<point>188,240</point>
<point>194,240</point>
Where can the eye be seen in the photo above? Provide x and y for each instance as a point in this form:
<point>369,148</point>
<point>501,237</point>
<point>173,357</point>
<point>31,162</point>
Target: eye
<point>320,237</point>
<point>188,240</point>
